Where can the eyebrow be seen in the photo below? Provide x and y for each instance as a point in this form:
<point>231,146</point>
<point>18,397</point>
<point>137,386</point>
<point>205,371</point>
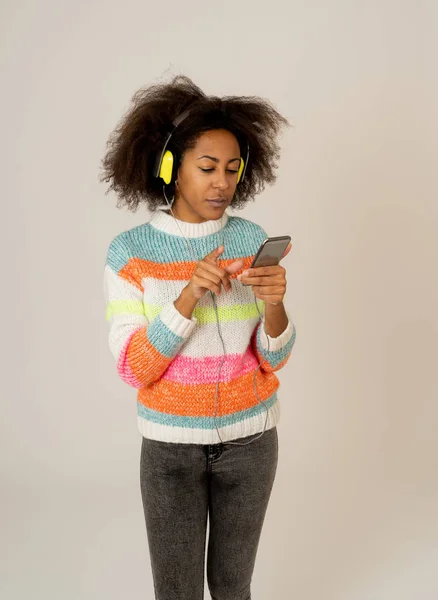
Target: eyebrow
<point>216,160</point>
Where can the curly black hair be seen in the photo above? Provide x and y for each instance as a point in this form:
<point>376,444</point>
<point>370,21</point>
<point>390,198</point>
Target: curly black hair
<point>134,144</point>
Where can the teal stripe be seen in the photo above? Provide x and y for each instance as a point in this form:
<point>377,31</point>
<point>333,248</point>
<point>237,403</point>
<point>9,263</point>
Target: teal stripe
<point>242,238</point>
<point>164,340</point>
<point>274,357</point>
<point>203,422</point>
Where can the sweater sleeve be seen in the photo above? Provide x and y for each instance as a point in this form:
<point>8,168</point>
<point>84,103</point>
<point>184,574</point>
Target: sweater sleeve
<point>280,347</point>
<point>143,349</point>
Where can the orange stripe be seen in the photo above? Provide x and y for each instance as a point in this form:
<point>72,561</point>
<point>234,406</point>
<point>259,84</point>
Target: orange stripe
<point>136,269</point>
<point>198,400</point>
<point>144,359</point>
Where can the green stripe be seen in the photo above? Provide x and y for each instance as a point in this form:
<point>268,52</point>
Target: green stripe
<point>206,314</point>
<point>123,307</point>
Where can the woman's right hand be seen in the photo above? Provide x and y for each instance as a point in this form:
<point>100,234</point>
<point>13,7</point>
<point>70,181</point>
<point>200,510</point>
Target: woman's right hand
<point>209,276</point>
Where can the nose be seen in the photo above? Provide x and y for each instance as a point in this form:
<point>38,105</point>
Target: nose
<point>220,181</point>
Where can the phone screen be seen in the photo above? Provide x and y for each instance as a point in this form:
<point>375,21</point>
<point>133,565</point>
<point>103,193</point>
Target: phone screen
<point>271,251</point>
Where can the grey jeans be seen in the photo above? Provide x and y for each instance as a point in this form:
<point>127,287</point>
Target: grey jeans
<point>183,483</point>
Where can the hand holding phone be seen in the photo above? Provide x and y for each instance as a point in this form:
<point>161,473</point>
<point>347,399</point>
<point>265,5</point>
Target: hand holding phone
<point>270,253</point>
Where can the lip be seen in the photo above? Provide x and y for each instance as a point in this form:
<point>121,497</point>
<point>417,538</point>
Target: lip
<point>217,203</point>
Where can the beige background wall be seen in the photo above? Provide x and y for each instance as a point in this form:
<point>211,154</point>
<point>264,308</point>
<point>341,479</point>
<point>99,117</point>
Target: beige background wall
<point>354,513</point>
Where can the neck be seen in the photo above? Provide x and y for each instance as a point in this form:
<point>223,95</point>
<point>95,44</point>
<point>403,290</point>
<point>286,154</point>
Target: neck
<point>184,212</point>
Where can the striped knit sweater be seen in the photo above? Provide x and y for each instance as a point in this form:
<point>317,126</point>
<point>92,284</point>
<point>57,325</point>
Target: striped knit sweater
<point>174,361</point>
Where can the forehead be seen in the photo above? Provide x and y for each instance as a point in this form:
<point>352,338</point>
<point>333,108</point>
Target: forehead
<point>218,141</point>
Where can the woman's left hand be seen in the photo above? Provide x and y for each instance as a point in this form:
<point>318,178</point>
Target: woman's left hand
<point>268,283</point>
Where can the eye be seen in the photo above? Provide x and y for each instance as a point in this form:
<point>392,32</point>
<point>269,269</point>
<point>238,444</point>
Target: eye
<point>209,170</point>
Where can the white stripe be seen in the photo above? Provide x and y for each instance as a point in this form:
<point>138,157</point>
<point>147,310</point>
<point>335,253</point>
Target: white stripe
<point>169,224</point>
<point>205,340</point>
<point>117,288</point>
<point>278,342</point>
<point>186,435</point>
<point>202,340</point>
<point>122,326</point>
<point>176,322</point>
<point>159,291</point>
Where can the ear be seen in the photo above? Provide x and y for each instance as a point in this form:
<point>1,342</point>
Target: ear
<point>177,174</point>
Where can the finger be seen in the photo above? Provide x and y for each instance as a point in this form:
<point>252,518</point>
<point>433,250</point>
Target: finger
<point>259,271</point>
<point>235,266</point>
<point>272,271</point>
<point>214,254</point>
<point>207,282</point>
<point>218,272</point>
<point>205,270</point>
<point>273,280</point>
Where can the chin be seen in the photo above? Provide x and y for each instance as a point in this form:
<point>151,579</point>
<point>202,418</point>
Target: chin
<point>213,213</point>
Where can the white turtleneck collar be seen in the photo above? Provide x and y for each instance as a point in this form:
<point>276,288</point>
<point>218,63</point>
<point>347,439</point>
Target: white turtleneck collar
<point>167,223</point>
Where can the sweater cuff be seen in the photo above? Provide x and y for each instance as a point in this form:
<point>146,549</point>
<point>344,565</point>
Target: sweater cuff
<point>176,322</point>
<point>278,342</point>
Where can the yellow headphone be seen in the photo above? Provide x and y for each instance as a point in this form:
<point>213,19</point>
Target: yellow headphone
<point>165,159</point>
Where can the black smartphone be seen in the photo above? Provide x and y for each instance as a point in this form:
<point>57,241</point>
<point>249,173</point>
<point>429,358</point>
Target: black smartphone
<point>270,252</point>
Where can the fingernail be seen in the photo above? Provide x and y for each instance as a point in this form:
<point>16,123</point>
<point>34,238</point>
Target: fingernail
<point>245,273</point>
<point>239,277</point>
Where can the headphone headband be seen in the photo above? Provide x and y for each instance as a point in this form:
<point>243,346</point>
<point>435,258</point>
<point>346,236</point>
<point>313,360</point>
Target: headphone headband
<point>180,118</point>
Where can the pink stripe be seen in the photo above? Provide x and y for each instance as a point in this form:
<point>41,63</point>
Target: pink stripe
<point>185,369</point>
<point>123,367</point>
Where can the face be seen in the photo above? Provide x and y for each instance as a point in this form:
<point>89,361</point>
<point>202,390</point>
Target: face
<point>207,172</point>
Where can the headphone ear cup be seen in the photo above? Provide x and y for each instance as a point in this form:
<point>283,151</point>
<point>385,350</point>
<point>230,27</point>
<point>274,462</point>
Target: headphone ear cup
<point>166,167</point>
<point>240,171</point>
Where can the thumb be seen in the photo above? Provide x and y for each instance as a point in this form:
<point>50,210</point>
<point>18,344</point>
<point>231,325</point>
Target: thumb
<point>288,249</point>
<point>235,266</point>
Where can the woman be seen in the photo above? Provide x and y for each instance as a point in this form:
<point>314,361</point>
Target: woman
<point>187,332</point>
